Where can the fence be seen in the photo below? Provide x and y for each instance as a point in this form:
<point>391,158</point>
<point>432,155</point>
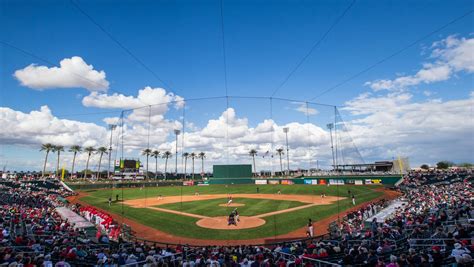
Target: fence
<point>315,262</point>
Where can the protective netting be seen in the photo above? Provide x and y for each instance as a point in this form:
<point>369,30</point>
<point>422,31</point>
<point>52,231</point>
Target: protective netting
<point>273,135</point>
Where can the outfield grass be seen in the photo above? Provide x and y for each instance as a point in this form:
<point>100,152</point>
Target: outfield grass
<point>252,207</point>
<point>186,226</point>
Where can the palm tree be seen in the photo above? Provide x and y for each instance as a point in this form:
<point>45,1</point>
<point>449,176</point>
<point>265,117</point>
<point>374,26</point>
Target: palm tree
<point>46,147</point>
<point>253,153</point>
<point>166,156</point>
<point>155,154</point>
<point>75,149</point>
<point>202,156</point>
<point>280,153</point>
<point>147,152</point>
<point>185,156</point>
<point>193,156</point>
<point>90,150</point>
<point>58,149</point>
<point>101,150</point>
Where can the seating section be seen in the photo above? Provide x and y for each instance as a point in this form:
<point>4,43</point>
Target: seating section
<point>433,228</point>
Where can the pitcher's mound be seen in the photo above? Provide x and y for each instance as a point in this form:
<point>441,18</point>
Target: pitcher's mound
<point>232,205</point>
<point>222,224</point>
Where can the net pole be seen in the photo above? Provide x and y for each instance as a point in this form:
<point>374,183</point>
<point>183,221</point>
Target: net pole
<point>336,168</point>
<point>183,128</point>
<point>121,158</point>
<point>272,138</point>
<point>308,149</point>
<point>147,156</point>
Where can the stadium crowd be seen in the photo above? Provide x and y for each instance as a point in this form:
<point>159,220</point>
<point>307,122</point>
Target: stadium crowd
<point>433,228</point>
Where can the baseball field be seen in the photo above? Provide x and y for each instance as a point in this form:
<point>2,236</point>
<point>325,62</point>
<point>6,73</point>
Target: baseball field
<point>199,214</point>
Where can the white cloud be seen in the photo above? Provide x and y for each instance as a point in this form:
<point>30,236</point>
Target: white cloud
<point>306,110</point>
<point>72,73</point>
<point>40,126</point>
<point>450,55</point>
<point>150,103</point>
<point>393,124</point>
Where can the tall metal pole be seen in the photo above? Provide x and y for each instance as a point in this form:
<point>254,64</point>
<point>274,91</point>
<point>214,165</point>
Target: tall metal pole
<point>112,128</point>
<point>286,130</point>
<point>176,132</point>
<point>330,126</point>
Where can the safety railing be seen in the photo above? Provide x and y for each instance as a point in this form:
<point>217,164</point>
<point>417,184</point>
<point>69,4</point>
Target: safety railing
<point>314,262</point>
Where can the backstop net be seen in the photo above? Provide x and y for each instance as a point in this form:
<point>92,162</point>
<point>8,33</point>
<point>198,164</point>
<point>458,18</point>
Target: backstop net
<point>187,137</point>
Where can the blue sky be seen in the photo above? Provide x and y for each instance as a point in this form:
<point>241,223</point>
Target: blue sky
<point>181,41</point>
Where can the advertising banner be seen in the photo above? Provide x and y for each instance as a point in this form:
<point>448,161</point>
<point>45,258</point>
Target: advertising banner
<point>336,181</point>
<point>308,181</point>
<point>287,182</point>
<point>274,182</point>
<point>188,183</point>
<point>359,182</point>
<point>322,181</point>
<point>260,181</point>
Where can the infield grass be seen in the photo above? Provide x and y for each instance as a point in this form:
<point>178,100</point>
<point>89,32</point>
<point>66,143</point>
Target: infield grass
<point>252,207</point>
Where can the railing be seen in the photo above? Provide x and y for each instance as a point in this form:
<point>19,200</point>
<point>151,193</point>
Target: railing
<point>158,258</point>
<point>320,263</point>
<point>315,262</point>
<point>428,242</point>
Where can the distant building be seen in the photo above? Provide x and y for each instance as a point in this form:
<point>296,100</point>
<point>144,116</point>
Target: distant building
<point>401,165</point>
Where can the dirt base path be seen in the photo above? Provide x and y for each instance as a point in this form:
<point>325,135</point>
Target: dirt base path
<point>152,234</point>
<point>179,212</point>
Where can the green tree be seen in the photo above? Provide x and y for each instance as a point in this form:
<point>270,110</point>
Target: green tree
<point>280,152</point>
<point>147,152</point>
<point>202,156</point>
<point>166,156</point>
<point>101,150</point>
<point>466,165</point>
<point>90,150</point>
<point>444,164</point>
<point>47,148</point>
<point>74,149</point>
<point>155,154</point>
<point>253,153</point>
<point>58,149</point>
<point>192,156</point>
<point>425,167</point>
<point>185,156</point>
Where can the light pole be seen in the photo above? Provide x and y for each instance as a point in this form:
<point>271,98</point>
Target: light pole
<point>176,132</point>
<point>286,130</point>
<point>330,127</point>
<point>111,128</point>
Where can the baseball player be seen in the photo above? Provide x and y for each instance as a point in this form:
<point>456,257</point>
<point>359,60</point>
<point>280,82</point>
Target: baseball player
<point>236,215</point>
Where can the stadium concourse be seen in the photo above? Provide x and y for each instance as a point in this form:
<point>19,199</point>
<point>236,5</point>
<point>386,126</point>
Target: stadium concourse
<point>433,228</point>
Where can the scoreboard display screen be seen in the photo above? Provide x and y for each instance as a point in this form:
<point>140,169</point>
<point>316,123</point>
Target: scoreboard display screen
<point>129,164</point>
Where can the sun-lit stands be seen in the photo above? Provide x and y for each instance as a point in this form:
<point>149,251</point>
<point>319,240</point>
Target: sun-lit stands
<point>103,221</point>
